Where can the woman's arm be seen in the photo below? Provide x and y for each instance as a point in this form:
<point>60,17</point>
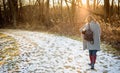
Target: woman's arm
<point>99,29</point>
<point>82,28</point>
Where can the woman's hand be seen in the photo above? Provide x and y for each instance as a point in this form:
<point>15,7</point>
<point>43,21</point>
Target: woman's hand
<point>83,31</point>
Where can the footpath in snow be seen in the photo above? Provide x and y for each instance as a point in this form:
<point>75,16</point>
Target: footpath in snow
<point>48,53</point>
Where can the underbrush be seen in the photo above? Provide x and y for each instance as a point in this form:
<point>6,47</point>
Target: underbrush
<point>110,31</point>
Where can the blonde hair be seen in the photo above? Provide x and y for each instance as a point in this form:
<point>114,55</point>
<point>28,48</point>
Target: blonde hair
<point>89,18</point>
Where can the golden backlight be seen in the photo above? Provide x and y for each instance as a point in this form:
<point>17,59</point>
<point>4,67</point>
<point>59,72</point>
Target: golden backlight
<point>84,2</point>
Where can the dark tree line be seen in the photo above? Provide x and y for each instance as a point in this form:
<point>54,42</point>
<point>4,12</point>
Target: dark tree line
<point>14,11</point>
<point>8,11</point>
<point>110,8</point>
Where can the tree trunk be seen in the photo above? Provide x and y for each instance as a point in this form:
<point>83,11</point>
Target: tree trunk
<point>80,1</point>
<point>1,19</point>
<point>43,8</point>
<point>73,10</point>
<point>98,2</point>
<point>53,5</point>
<point>67,5</point>
<point>106,9</point>
<point>20,3</point>
<point>119,8</point>
<point>14,5</point>
<point>20,9</point>
<point>5,12</point>
<point>94,6</point>
<point>0,11</point>
<point>111,10</point>
<point>47,5</point>
<point>69,13</point>
<point>47,13</point>
<point>29,2</point>
<point>88,5</point>
<point>61,9</point>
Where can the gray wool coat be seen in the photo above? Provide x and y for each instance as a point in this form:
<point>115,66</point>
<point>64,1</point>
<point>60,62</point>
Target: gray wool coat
<point>96,36</point>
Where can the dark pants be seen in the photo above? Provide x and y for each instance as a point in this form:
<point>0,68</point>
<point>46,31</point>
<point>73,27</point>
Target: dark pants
<point>92,55</point>
<point>93,52</point>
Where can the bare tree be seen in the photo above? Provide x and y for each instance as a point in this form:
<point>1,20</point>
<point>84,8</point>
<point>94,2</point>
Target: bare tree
<point>41,7</point>
<point>106,9</point>
<point>0,10</point>
<point>111,9</point>
<point>5,12</point>
<point>61,8</point>
<point>98,2</point>
<point>20,9</point>
<point>68,10</point>
<point>13,8</point>
<point>73,10</point>
<point>47,12</point>
<point>79,2</point>
<point>118,7</point>
<point>94,5</point>
<point>47,6</point>
<point>0,15</point>
<point>53,4</point>
<point>88,5</point>
<point>20,4</point>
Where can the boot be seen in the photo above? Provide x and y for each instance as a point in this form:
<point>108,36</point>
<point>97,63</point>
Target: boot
<point>93,61</point>
<point>90,56</point>
<point>92,66</point>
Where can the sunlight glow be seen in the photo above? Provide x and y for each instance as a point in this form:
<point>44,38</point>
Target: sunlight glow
<point>84,2</point>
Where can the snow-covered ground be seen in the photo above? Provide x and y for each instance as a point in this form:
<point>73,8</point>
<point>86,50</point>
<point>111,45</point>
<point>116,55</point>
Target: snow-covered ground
<point>49,53</point>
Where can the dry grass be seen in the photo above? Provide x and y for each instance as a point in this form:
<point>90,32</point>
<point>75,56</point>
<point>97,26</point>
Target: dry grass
<point>9,49</point>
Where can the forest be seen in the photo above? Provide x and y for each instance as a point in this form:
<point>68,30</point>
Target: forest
<point>57,15</point>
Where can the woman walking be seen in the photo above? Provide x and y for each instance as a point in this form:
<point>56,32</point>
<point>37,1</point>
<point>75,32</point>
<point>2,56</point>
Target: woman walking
<point>94,45</point>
